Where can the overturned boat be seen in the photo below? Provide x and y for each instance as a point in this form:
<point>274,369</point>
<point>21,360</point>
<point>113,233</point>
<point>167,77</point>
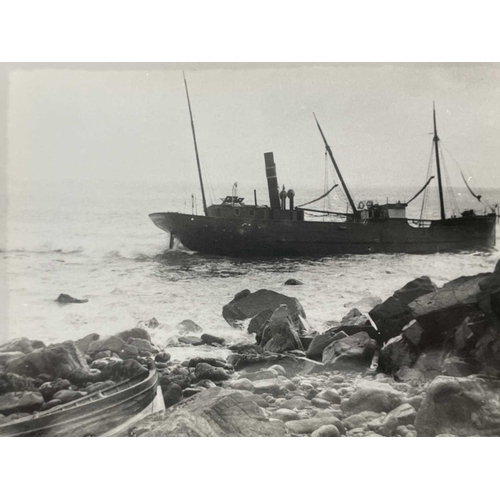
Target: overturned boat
<point>233,228</point>
<point>109,412</point>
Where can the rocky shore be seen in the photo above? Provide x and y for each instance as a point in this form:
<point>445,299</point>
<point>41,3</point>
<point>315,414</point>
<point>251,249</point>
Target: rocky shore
<point>424,362</point>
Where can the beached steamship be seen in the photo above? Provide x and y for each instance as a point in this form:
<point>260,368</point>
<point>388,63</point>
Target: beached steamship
<point>233,228</point>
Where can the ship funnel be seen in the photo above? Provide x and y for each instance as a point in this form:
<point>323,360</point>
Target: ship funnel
<point>291,195</point>
<point>272,181</point>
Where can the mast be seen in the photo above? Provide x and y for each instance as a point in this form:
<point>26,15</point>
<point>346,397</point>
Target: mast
<point>346,191</point>
<point>196,148</point>
<point>440,184</point>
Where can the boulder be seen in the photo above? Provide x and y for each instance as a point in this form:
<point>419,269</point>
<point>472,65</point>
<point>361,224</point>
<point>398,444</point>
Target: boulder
<point>309,425</point>
<point>280,334</point>
<point>430,363</point>
<point>84,344</point>
<point>387,425</point>
<point>295,403</point>
<point>215,412</point>
<point>326,431</point>
<point>330,395</point>
<point>460,406</point>
<point>393,314</point>
<point>11,382</point>
<point>57,360</point>
<point>191,339</point>
<point>320,342</point>
<point>48,389</point>
<point>355,318</point>
<point>188,326</point>
<point>111,343</point>
<point>390,317</point>
<point>68,299</point>
<point>214,373</point>
<point>134,333</point>
<point>242,384</point>
<point>246,305</point>
<point>66,396</point>
<point>163,357</point>
<point>143,345</point>
<point>352,353</point>
<point>293,281</point>
<point>415,289</point>
<point>447,307</point>
<point>51,404</point>
<point>21,344</point>
<point>396,354</point>
<point>218,362</point>
<point>15,402</point>
<point>372,396</point>
<point>286,415</point>
<point>258,322</point>
<point>413,333</point>
<point>267,386</point>
<point>208,339</point>
<point>172,395</point>
<point>486,354</point>
<point>360,420</point>
<point>118,370</point>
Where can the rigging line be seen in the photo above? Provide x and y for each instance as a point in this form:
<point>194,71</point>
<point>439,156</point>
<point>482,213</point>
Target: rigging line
<point>319,198</point>
<point>450,190</point>
<point>461,168</point>
<point>429,169</point>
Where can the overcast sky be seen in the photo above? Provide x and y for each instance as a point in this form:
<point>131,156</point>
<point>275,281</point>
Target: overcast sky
<point>132,122</point>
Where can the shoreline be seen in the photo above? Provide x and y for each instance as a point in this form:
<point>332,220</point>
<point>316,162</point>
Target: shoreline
<point>376,374</point>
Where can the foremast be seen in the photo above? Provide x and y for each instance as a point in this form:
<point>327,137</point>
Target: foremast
<point>438,165</point>
<point>205,210</point>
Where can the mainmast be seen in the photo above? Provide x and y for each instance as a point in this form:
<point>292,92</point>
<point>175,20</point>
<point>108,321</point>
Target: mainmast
<point>440,184</point>
<point>196,148</point>
<point>346,191</point>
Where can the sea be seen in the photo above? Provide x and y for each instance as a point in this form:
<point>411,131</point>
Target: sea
<point>93,239</point>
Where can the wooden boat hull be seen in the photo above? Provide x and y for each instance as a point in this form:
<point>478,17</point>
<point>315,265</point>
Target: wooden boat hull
<point>250,237</point>
<point>103,413</point>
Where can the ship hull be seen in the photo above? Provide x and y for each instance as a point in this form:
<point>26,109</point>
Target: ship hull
<point>250,237</point>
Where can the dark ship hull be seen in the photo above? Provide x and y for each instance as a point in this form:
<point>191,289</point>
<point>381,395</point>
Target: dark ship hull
<point>250,237</point>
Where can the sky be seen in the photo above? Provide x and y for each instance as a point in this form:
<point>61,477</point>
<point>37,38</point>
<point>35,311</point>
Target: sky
<point>131,122</point>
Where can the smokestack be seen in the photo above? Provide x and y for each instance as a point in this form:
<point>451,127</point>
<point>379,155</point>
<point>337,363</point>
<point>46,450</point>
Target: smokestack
<point>272,181</point>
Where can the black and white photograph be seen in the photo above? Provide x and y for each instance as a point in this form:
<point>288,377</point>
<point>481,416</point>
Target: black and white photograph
<point>250,250</point>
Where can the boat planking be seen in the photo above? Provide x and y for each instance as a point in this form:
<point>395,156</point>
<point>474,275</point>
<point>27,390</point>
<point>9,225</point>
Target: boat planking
<point>103,413</point>
<point>233,228</point>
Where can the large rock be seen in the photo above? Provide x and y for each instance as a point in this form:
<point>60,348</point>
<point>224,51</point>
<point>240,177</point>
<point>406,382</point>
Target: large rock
<point>246,305</point>
<point>84,344</point>
<point>64,298</point>
<point>280,334</point>
<point>258,322</point>
<point>309,425</point>
<point>414,289</point>
<point>215,412</point>
<point>134,333</point>
<point>446,308</point>
<point>461,407</point>
<point>5,357</point>
<point>118,370</point>
<point>396,354</point>
<point>188,326</point>
<point>15,402</point>
<point>57,360</point>
<point>352,353</point>
<point>393,314</point>
<point>21,344</point>
<point>143,345</point>
<point>209,372</point>
<point>320,342</point>
<point>372,396</point>
<point>111,343</point>
<point>355,318</point>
